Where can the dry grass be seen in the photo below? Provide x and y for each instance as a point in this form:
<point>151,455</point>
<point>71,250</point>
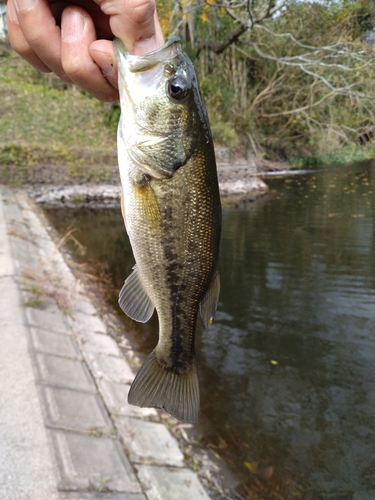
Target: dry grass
<point>43,282</point>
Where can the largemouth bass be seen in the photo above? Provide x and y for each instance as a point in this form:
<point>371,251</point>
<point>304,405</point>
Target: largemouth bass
<point>172,214</point>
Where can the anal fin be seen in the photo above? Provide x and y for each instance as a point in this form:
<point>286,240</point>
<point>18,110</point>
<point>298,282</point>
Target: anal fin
<point>134,299</point>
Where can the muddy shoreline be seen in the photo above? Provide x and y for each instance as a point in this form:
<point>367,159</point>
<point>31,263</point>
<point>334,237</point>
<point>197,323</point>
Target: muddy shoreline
<point>54,186</point>
<point>240,181</point>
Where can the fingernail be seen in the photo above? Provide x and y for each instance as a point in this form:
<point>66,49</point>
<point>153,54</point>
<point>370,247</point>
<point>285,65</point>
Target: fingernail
<point>13,12</point>
<point>24,4</point>
<point>145,46</point>
<point>72,25</point>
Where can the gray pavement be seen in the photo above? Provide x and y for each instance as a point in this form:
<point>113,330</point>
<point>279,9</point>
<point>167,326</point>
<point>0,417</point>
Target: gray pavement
<point>66,430</point>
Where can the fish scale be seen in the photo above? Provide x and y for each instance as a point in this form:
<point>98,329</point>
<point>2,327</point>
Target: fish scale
<point>172,215</point>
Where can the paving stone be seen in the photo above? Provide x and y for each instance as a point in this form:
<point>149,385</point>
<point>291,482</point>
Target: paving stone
<point>101,343</point>
<point>26,255</point>
<point>7,266</point>
<point>85,306</point>
<point>109,367</point>
<point>12,211</point>
<point>54,343</point>
<point>149,442</point>
<point>48,318</point>
<point>161,483</point>
<point>75,410</point>
<point>115,396</point>
<point>55,370</point>
<point>83,323</point>
<point>87,462</point>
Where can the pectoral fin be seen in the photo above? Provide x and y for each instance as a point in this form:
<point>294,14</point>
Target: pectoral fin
<point>134,300</point>
<point>208,304</point>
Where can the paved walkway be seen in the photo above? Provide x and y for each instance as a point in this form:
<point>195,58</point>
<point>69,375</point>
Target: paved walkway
<point>66,430</point>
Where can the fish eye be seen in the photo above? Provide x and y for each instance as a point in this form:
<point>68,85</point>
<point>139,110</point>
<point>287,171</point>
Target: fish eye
<point>178,88</point>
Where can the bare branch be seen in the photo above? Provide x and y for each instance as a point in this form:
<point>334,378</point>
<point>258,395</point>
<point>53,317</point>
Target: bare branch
<point>290,36</point>
<point>270,11</point>
<point>303,66</point>
<point>296,111</point>
<point>219,47</point>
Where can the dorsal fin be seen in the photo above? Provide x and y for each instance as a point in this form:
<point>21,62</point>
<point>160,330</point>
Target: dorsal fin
<point>134,299</point>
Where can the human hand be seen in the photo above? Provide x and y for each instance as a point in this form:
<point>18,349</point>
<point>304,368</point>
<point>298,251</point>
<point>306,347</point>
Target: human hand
<point>72,38</point>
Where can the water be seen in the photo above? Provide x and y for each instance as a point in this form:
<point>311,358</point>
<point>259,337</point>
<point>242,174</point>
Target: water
<point>287,369</point>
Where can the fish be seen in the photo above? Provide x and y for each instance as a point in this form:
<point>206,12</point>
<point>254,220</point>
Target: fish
<point>171,208</point>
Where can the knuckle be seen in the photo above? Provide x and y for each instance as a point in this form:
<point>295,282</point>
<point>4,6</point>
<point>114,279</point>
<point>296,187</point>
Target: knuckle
<point>143,12</point>
<point>72,67</point>
<point>18,44</point>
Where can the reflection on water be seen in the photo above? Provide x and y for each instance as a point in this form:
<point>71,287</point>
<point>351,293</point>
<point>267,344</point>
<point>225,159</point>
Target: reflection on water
<point>287,370</point>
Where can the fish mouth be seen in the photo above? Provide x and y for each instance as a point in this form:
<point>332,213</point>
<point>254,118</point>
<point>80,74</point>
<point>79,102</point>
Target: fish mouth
<point>137,64</point>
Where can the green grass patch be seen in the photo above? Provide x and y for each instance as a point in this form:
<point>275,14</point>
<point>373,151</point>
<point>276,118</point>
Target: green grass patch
<point>341,156</point>
<point>44,120</point>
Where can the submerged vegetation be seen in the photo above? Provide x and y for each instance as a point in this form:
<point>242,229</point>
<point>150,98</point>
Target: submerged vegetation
<point>282,80</point>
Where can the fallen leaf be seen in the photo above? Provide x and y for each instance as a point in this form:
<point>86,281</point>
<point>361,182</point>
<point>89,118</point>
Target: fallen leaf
<point>222,444</point>
<point>252,466</point>
<point>268,473</point>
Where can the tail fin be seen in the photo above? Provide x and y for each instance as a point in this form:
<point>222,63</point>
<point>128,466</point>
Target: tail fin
<point>157,386</point>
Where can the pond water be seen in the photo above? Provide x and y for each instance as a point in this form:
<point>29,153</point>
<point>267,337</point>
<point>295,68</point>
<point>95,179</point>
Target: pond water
<point>287,369</point>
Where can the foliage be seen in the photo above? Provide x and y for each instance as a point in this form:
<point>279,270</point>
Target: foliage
<point>112,112</point>
<point>346,154</point>
<point>290,78</point>
<point>43,120</point>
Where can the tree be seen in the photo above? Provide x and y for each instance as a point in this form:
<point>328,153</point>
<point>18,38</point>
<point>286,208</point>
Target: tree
<point>289,77</point>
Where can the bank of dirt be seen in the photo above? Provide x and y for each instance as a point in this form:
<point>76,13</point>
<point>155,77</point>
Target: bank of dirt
<point>235,188</point>
<point>48,183</point>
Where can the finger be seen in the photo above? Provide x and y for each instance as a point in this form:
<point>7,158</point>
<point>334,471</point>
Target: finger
<point>18,41</point>
<point>135,23</point>
<point>78,32</point>
<point>103,54</point>
<point>41,32</point>
<point>142,47</point>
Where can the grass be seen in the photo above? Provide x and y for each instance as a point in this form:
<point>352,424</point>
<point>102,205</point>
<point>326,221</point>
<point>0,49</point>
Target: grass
<point>346,154</point>
<point>349,154</point>
<point>43,120</point>
<point>36,302</point>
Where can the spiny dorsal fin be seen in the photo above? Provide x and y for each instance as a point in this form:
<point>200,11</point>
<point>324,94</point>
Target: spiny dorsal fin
<point>134,300</point>
<point>156,386</point>
<point>208,304</point>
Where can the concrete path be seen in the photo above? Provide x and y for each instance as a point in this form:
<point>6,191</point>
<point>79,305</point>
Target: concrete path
<point>66,430</point>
